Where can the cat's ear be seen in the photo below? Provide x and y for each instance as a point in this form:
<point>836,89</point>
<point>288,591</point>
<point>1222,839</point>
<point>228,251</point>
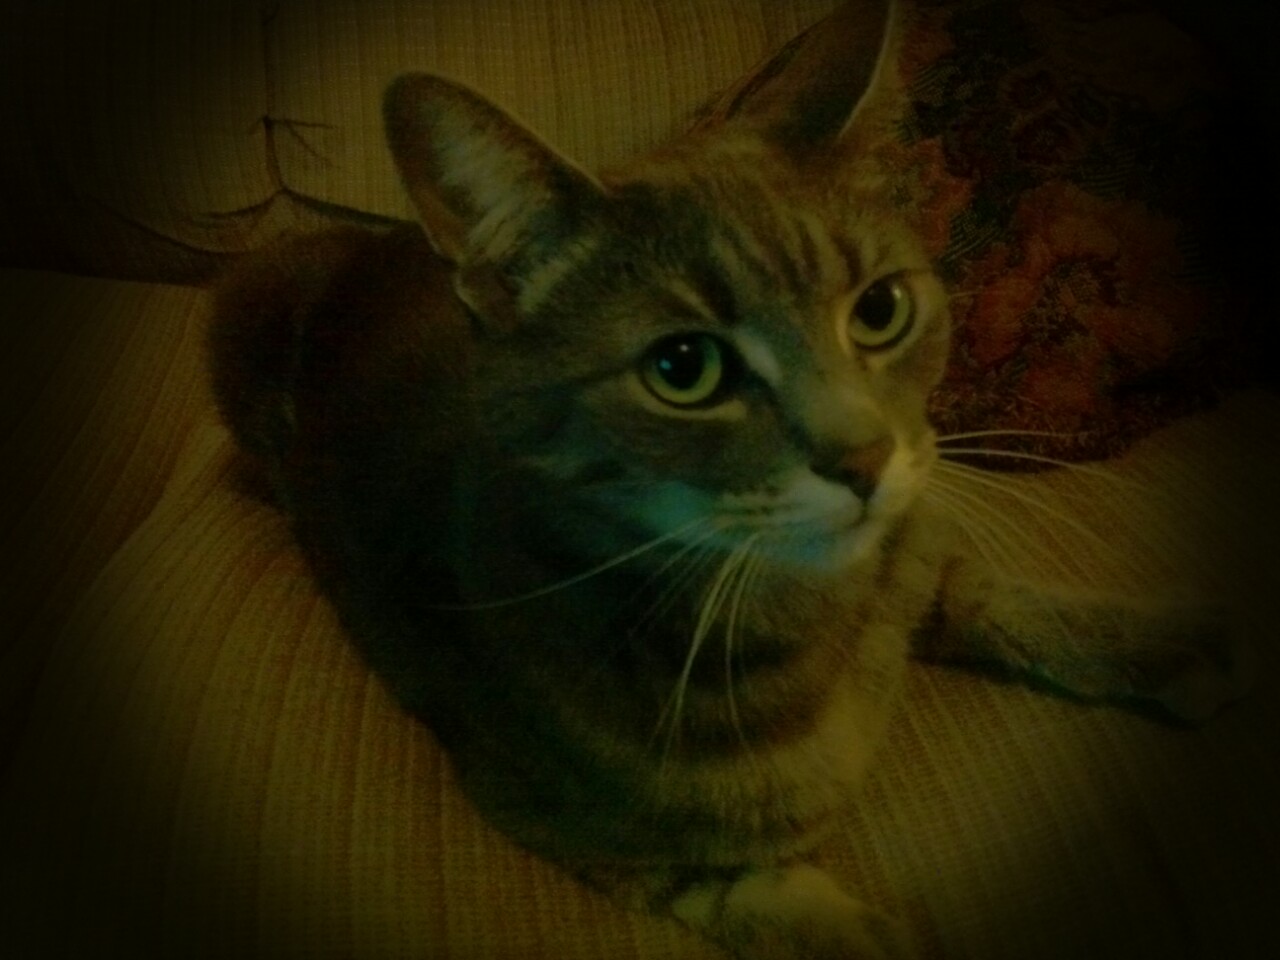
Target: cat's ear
<point>484,186</point>
<point>808,93</point>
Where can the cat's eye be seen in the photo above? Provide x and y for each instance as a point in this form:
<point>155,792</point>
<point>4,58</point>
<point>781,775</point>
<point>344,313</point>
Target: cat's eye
<point>688,369</point>
<point>883,315</point>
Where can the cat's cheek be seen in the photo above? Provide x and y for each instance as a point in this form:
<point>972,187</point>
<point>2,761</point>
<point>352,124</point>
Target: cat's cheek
<point>673,508</point>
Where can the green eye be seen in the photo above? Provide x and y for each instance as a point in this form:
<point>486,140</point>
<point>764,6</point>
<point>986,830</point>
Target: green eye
<point>883,315</point>
<point>687,370</point>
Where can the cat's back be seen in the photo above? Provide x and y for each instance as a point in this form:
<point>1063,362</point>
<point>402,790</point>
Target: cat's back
<point>331,332</point>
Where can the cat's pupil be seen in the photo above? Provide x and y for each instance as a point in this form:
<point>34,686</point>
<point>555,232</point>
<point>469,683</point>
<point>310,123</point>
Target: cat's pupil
<point>877,306</point>
<point>682,364</point>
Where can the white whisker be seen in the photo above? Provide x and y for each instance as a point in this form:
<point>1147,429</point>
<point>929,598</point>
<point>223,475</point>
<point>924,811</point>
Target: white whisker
<point>985,542</point>
<point>1032,549</point>
<point>987,480</point>
<point>988,541</point>
<point>577,578</point>
<point>974,434</point>
<point>712,603</point>
<point>1077,495</point>
<point>696,553</point>
<point>750,570</point>
<point>964,518</point>
<point>1087,469</point>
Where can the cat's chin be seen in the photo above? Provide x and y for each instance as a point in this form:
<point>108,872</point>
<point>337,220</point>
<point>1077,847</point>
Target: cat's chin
<point>829,549</point>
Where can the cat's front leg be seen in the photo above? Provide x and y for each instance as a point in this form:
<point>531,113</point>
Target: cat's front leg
<point>795,912</point>
<point>1190,658</point>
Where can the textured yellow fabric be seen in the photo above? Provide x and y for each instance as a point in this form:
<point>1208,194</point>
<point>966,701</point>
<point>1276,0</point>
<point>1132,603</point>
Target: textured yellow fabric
<point>96,395</point>
<point>206,769</point>
<point>158,137</point>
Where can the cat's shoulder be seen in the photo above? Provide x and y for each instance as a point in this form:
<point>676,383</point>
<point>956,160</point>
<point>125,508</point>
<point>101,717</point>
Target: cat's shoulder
<point>345,307</point>
<point>298,271</point>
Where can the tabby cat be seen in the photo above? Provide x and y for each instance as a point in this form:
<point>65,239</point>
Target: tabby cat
<point>616,480</point>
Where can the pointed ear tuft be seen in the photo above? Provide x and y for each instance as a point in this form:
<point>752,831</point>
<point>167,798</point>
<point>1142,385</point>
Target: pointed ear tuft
<point>481,182</point>
<point>806,95</point>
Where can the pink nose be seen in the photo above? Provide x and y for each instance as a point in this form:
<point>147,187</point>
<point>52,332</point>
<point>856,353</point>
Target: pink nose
<point>858,468</point>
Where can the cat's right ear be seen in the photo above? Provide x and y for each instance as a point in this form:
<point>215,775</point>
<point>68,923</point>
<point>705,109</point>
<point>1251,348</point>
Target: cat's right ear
<point>484,186</point>
<point>806,95</point>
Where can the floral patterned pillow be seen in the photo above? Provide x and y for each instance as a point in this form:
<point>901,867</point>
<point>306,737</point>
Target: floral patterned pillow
<point>1067,162</point>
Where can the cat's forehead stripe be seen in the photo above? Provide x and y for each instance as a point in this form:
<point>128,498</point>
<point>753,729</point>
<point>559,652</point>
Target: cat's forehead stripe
<point>831,259</point>
<point>739,254</point>
<point>791,248</point>
<point>710,285</point>
<point>687,297</point>
<point>810,249</point>
<point>763,229</point>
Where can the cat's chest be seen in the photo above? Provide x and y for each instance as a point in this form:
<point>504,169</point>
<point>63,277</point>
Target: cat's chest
<point>765,664</point>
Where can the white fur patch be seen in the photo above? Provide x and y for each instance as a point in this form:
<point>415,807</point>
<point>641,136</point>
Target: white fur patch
<point>822,523</point>
<point>840,313</point>
<point>759,356</point>
<point>496,176</point>
<point>539,285</point>
<point>903,477</point>
<point>691,298</point>
<point>794,911</point>
<point>800,496</point>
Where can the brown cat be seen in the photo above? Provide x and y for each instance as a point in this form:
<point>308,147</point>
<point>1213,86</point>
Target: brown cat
<point>616,480</point>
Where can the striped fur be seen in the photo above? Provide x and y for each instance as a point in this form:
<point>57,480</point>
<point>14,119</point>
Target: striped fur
<point>660,642</point>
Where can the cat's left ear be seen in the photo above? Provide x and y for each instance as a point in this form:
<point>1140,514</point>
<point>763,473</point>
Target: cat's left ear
<point>808,93</point>
<point>485,187</point>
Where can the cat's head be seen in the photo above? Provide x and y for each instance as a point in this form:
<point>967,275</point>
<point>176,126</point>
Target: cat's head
<point>734,333</point>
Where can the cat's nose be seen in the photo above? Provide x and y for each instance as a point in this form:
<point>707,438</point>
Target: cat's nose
<point>858,468</point>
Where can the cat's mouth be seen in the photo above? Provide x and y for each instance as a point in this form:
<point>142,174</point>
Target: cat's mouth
<point>824,537</point>
<point>799,520</point>
<point>812,523</point>
<point>825,545</point>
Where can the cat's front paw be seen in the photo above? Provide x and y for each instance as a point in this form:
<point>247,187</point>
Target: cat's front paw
<point>1187,658</point>
<point>1205,662</point>
<point>792,913</point>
